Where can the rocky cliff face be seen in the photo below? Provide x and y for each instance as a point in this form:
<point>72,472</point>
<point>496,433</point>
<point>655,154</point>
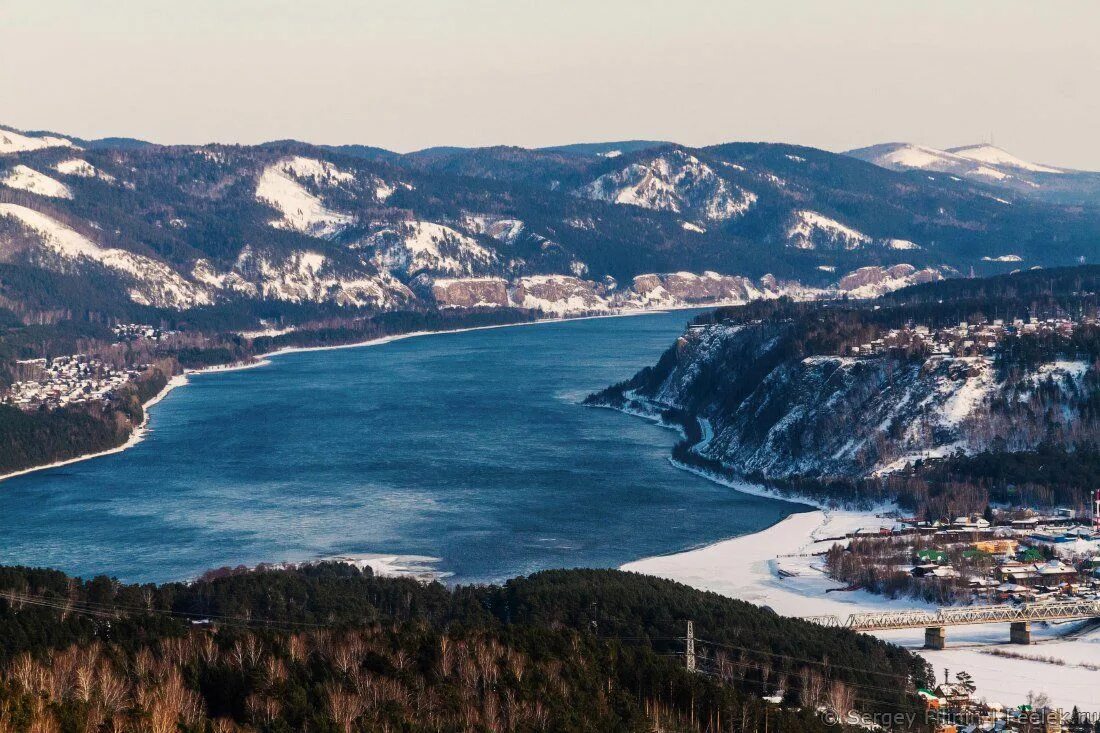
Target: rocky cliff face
<point>482,292</point>
<point>710,287</point>
<point>559,295</point>
<point>571,295</point>
<point>770,412</point>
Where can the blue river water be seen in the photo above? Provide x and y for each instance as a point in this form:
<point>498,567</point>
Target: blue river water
<point>470,447</point>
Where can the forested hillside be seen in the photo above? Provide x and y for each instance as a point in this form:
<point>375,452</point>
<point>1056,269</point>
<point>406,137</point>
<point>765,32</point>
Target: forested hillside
<point>108,230</point>
<point>331,648</point>
<point>945,396</point>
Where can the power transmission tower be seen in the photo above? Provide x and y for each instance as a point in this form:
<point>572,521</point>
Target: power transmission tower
<point>689,647</point>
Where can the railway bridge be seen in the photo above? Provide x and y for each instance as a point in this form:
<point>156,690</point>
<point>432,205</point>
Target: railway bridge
<point>935,622</point>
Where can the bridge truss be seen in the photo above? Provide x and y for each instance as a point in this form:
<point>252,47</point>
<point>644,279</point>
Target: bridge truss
<point>962,616</point>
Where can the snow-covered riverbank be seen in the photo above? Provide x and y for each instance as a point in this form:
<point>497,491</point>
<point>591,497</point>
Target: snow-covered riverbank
<point>781,568</point>
<point>136,436</point>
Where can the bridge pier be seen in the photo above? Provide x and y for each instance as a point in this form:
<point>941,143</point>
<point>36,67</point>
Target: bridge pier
<point>935,637</point>
<point>1020,632</point>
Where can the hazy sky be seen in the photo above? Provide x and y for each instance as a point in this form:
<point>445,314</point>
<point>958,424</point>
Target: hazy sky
<point>408,74</point>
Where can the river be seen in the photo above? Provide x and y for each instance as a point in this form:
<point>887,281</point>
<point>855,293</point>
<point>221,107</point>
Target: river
<point>470,448</point>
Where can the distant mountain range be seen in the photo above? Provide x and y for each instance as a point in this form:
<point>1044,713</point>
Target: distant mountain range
<point>988,164</point>
<point>120,228</point>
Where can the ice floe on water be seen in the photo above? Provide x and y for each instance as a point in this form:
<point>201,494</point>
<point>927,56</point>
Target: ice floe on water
<point>421,567</point>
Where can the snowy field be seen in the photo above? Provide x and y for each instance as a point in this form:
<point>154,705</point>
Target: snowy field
<point>748,568</point>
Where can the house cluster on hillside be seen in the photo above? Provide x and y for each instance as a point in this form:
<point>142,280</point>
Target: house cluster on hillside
<point>965,339</point>
<point>66,380</point>
<point>134,331</point>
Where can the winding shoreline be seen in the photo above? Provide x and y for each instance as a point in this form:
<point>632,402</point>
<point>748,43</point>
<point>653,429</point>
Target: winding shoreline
<point>264,359</point>
<point>653,414</point>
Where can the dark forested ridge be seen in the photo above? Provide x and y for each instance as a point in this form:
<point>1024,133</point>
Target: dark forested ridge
<point>965,391</point>
<point>330,648</point>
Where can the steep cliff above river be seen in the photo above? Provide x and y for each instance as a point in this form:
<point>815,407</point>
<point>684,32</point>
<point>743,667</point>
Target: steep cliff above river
<point>795,395</point>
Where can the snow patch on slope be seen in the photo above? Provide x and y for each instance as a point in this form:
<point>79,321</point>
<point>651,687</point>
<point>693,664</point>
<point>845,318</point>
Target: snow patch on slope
<point>960,400</point>
<point>419,246</point>
<point>81,168</point>
<point>686,288</point>
<point>13,142</point>
<point>558,295</point>
<point>901,244</point>
<point>502,229</point>
<point>873,281</point>
<point>280,186</point>
<point>28,179</point>
<point>810,228</point>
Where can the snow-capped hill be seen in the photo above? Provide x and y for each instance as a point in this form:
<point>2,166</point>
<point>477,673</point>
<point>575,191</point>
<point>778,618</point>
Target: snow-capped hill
<point>907,156</point>
<point>14,142</point>
<point>152,282</point>
<point>423,246</point>
<point>28,179</point>
<point>82,169</point>
<point>898,156</point>
<point>811,230</point>
<point>675,181</point>
<point>280,185</point>
<point>990,166</point>
<point>992,155</point>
